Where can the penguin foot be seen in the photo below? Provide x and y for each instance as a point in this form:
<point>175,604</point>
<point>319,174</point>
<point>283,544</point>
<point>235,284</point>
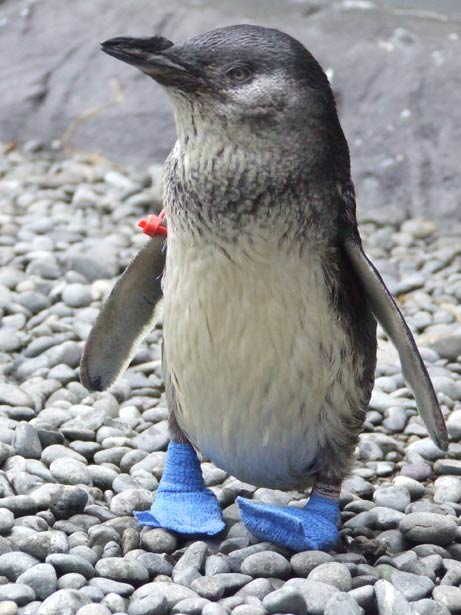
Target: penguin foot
<point>182,502</point>
<point>313,527</point>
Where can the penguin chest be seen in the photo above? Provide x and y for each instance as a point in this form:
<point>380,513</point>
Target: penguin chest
<point>255,353</point>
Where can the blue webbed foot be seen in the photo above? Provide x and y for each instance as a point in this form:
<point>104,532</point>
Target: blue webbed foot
<point>182,502</point>
<point>300,529</point>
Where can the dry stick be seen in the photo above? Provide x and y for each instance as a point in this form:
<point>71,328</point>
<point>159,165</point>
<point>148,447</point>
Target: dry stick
<point>75,123</point>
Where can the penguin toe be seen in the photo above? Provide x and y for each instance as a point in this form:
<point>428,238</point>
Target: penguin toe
<point>313,527</point>
<point>189,513</point>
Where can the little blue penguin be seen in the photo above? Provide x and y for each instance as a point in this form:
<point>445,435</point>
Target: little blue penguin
<point>269,301</point>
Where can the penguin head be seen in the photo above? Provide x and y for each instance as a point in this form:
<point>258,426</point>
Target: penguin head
<point>246,83</point>
<point>240,72</point>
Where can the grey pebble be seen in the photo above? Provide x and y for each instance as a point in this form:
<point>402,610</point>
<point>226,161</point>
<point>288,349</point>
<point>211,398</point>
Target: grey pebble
<point>429,607</point>
<point>67,601</point>
<point>448,466</point>
<point>211,588</point>
<point>115,603</point>
<point>364,596</point>
<point>315,593</point>
<point>447,489</point>
<point>93,609</point>
<point>6,520</point>
<point>190,606</point>
<point>214,609</point>
<point>248,609</point>
<point>41,578</point>
<point>449,597</point>
<point>427,527</point>
<point>173,592</point>
<point>158,541</point>
<point>390,601</point>
<point>132,499</point>
<point>304,562</point>
<point>42,544</point>
<point>342,603</point>
<point>215,564</point>
<point>17,592</point>
<point>77,295</point>
<point>15,563</point>
<point>153,604</point>
<point>332,573</point>
<point>65,562</point>
<point>71,580</point>
<point>193,557</point>
<point>411,586</point>
<point>70,472</point>
<point>12,395</point>
<point>287,599</point>
<point>155,564</point>
<point>258,588</point>
<point>27,442</point>
<point>108,586</point>
<point>123,570</point>
<point>393,497</point>
<point>233,581</point>
<point>266,564</point>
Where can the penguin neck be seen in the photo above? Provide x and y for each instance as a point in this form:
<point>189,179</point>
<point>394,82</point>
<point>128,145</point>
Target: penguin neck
<point>225,183</point>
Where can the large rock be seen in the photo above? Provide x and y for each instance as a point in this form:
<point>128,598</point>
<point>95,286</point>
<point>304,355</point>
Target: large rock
<point>393,67</point>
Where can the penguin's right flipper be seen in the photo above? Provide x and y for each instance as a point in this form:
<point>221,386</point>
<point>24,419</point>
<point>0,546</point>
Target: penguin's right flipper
<point>126,317</point>
<point>392,321</point>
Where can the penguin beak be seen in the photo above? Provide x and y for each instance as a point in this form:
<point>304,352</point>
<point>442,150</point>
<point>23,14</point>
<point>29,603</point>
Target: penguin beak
<point>156,57</point>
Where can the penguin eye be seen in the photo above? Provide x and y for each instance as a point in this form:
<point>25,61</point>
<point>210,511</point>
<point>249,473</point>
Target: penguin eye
<point>239,74</point>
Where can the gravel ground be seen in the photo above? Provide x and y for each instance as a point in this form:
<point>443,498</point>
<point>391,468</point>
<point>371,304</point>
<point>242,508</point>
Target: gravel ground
<point>75,465</point>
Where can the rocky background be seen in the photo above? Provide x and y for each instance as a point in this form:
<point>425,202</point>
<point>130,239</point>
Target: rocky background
<point>74,465</point>
<point>395,66</point>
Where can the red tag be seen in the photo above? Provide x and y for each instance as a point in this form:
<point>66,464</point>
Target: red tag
<point>154,225</point>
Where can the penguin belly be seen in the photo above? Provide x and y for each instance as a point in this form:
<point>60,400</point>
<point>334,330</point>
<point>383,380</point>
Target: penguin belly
<point>255,351</point>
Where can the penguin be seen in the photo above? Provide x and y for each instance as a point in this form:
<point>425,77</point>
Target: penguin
<point>270,303</point>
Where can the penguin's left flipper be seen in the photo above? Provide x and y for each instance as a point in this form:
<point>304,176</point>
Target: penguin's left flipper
<point>126,317</point>
<point>392,321</point>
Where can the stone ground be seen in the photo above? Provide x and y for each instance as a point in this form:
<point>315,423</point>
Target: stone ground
<point>75,465</point>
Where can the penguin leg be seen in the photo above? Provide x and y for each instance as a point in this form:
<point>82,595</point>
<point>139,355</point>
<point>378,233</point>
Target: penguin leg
<point>182,502</point>
<point>313,527</point>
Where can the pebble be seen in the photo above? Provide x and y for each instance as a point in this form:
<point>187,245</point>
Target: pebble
<point>332,573</point>
<point>342,603</point>
<point>449,597</point>
<point>427,527</point>
<point>70,472</point>
<point>17,592</point>
<point>6,521</point>
<point>26,441</point>
<point>390,601</point>
<point>393,497</point>
<point>13,564</point>
<point>63,601</point>
<point>266,564</point>
<point>285,600</point>
<point>42,544</point>
<point>66,562</point>
<point>123,570</point>
<point>153,604</point>
<point>304,562</point>
<point>211,588</point>
<point>41,578</point>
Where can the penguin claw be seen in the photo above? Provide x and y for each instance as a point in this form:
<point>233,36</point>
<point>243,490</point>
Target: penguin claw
<point>189,513</point>
<point>313,527</point>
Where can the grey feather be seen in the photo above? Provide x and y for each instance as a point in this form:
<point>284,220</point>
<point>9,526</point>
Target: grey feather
<point>127,316</point>
<point>392,321</point>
